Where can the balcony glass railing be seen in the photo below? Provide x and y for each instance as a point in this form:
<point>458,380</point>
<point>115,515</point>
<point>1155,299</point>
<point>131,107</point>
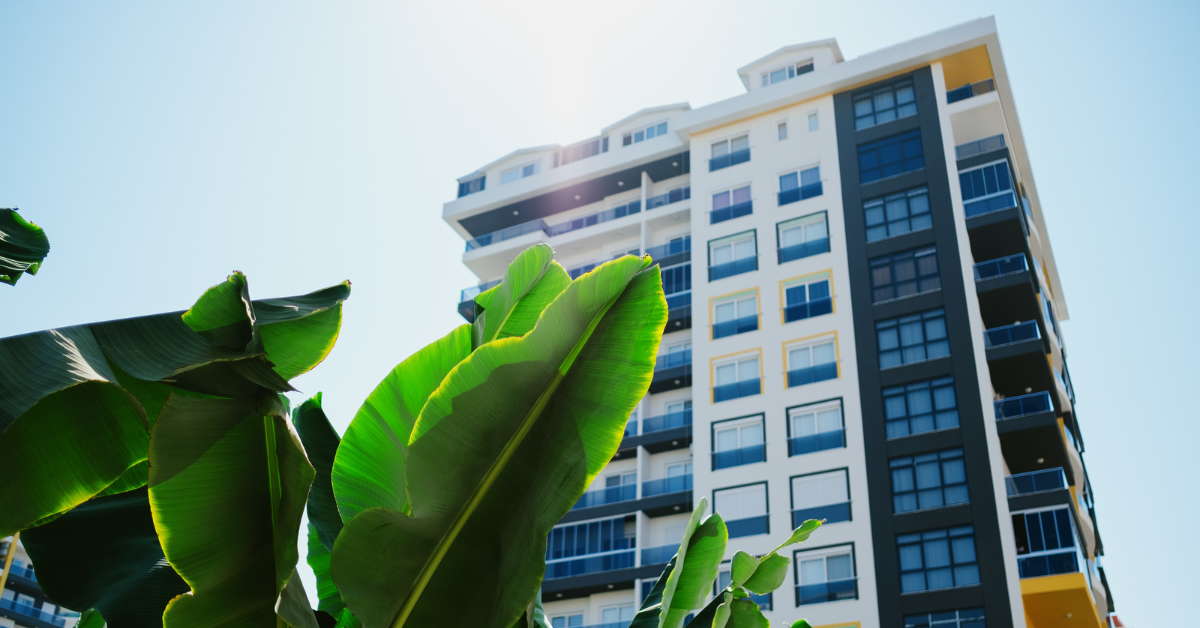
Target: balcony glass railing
<point>989,205</point>
<point>1036,481</point>
<point>736,390</point>
<point>808,309</point>
<point>812,443</point>
<point>735,326</point>
<point>748,526</point>
<point>679,299</point>
<point>470,293</point>
<point>659,555</point>
<point>804,249</point>
<point>1009,334</point>
<point>731,212</point>
<point>969,90</point>
<point>672,360</point>
<point>668,485</point>
<point>812,374</point>
<point>979,147</point>
<point>1000,267</point>
<point>669,249</point>
<point>738,457</point>
<point>831,591</point>
<point>674,196</point>
<point>1024,405</point>
<point>507,233</point>
<point>591,220</point>
<point>34,613</point>
<point>799,194</point>
<point>732,159</point>
<point>729,269</point>
<point>609,495</point>
<point>832,513</point>
<point>1050,564</point>
<point>631,428</point>
<point>666,421</point>
<point>590,563</point>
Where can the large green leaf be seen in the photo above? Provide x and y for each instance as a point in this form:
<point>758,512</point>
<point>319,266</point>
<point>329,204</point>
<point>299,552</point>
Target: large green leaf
<point>228,483</point>
<point>105,555</point>
<point>502,449</point>
<point>328,598</point>
<point>689,577</point>
<point>533,280</point>
<point>23,246</point>
<point>293,607</point>
<point>321,444</point>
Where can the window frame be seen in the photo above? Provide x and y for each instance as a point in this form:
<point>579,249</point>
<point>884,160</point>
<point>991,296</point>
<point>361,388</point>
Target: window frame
<point>975,200</point>
<point>915,255</point>
<point>729,152</point>
<point>815,407</point>
<point>892,88</point>
<point>916,490</point>
<point>845,471</point>
<point>781,130</point>
<point>953,564</point>
<point>791,71</point>
<point>922,317</point>
<point>818,185</point>
<point>766,500</point>
<point>736,298</point>
<point>814,121</point>
<point>803,222</point>
<point>732,240</point>
<point>738,423</point>
<point>930,386</point>
<point>811,342</point>
<point>520,169</point>
<point>630,138</point>
<point>736,359</point>
<point>825,551</point>
<point>877,146</point>
<point>882,201</point>
<point>807,281</point>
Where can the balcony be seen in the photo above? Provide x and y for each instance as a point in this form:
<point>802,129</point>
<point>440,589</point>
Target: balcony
<point>970,90</point>
<point>738,457</point>
<point>813,443</point>
<point>730,212</point>
<point>27,611</point>
<point>1001,267</point>
<point>631,428</point>
<point>1011,334</point>
<point>1050,564</point>
<point>832,513</point>
<point>507,233</point>
<point>798,194</point>
<point>749,526</point>
<point>735,326</point>
<point>667,421</point>
<point>805,249</point>
<point>737,390</point>
<point>979,147</point>
<point>812,374</point>
<point>679,312</point>
<point>1036,482</point>
<point>591,220</point>
<point>808,309</point>
<point>659,555</point>
<point>1025,405</point>
<point>674,196</point>
<point>729,269</point>
<point>732,159</point>
<point>672,253</point>
<point>672,371</point>
<point>831,591</point>
<point>609,495</point>
<point>591,563</point>
<point>668,485</point>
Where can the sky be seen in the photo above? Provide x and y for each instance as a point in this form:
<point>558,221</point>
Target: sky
<point>163,145</point>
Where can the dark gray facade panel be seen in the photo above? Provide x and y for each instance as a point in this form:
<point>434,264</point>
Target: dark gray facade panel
<point>971,435</point>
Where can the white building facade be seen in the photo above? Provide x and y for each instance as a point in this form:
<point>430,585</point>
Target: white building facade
<point>863,328</point>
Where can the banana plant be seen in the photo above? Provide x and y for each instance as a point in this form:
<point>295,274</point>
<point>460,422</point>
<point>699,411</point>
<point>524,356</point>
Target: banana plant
<point>23,246</point>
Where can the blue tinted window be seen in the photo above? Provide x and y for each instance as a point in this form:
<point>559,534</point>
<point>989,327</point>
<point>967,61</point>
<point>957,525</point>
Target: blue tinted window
<point>890,156</point>
<point>904,274</point>
<point>939,559</point>
<point>898,213</point>
<point>987,188</point>
<point>928,481</point>
<point>920,407</point>
<point>913,338</point>
<point>885,104</point>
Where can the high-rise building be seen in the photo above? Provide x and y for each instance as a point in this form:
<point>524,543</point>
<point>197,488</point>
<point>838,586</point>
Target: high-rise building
<point>864,328</point>
<point>22,603</point>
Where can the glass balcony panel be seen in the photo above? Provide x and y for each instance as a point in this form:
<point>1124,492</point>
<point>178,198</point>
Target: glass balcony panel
<point>747,527</point>
<point>808,309</point>
<point>1048,564</point>
<point>1014,407</point>
<point>833,513</point>
<point>1000,267</point>
<point>817,442</point>
<point>28,610</point>
<point>989,205</point>
<point>738,457</point>
<point>806,249</point>
<point>1009,334</point>
<point>590,220</point>
<point>798,194</point>
<point>737,390</point>
<point>809,375</point>
<point>732,159</point>
<point>672,360</point>
<point>667,421</point>
<point>470,293</point>
<point>666,486</point>
<point>832,591</point>
<point>609,495</point>
<point>1036,481</point>
<point>736,267</point>
<point>631,428</point>
<point>582,565</point>
<point>674,196</point>
<point>731,212</point>
<point>670,248</point>
<point>507,233</point>
<point>659,555</point>
<point>735,326</point>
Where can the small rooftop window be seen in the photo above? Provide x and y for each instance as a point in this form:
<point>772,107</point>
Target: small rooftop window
<point>654,130</point>
<point>785,73</point>
<point>520,172</point>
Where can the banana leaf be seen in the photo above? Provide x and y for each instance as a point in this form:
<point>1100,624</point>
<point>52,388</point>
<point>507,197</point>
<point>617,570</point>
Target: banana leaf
<point>688,578</point>
<point>505,445</point>
<point>23,246</point>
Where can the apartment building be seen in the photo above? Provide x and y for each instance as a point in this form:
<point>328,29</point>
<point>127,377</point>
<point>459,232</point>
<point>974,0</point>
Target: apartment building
<point>22,603</point>
<point>864,328</point>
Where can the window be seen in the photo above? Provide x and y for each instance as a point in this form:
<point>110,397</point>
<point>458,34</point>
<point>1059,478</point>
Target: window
<point>783,74</point>
<point>920,407</point>
<point>797,186</point>
<point>781,129</point>
<point>884,105</point>
<point>813,361</point>
<point>890,156</point>
<point>913,338</point>
<point>904,274</point>
<point>730,152</point>
<point>803,237</point>
<point>583,151</point>
<point>825,575</point>
<point>748,504</point>
<point>806,297</point>
<point>678,354</point>
<point>738,442</point>
<point>520,172</point>
<point>1046,543</point>
<point>939,559</point>
<point>987,188</point>
<point>821,496</point>
<point>567,621</point>
<point>816,428</point>
<point>731,204</point>
<point>735,315</point>
<point>928,481</point>
<point>616,615</point>
<point>733,255</point>
<point>577,549</point>
<point>648,133</point>
<point>898,213</point>
<point>471,186</point>
<point>737,378</point>
<point>970,618</point>
<point>813,124</point>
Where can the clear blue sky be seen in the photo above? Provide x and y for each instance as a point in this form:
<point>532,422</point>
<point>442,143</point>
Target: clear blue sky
<point>163,145</point>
